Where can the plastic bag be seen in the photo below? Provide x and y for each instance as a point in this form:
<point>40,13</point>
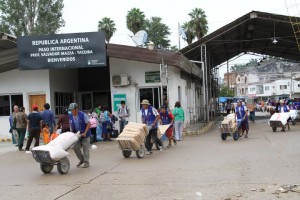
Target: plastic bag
<point>99,133</point>
<point>27,134</point>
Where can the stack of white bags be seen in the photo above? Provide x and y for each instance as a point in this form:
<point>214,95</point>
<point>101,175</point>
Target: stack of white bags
<point>133,136</point>
<point>57,147</point>
<point>282,117</point>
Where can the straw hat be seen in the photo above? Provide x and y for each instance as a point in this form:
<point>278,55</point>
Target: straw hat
<point>145,102</point>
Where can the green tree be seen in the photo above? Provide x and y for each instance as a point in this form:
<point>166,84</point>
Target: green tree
<point>31,17</point>
<point>226,92</point>
<point>158,32</point>
<point>135,20</point>
<point>199,21</point>
<point>174,48</point>
<point>189,32</point>
<point>108,26</point>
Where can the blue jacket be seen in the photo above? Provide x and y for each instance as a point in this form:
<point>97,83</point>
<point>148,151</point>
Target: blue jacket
<point>165,118</point>
<point>48,117</point>
<point>240,114</point>
<point>285,108</point>
<point>150,118</point>
<point>82,124</point>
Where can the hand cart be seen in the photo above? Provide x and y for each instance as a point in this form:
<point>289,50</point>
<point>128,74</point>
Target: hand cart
<point>227,130</point>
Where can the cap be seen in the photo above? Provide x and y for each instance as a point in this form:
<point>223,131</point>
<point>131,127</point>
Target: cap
<point>145,102</point>
<point>34,106</point>
<point>73,106</point>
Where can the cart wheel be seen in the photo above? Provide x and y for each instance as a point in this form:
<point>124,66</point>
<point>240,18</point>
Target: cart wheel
<point>236,136</point>
<point>63,166</point>
<point>126,154</point>
<point>224,136</point>
<point>46,168</point>
<point>140,153</point>
<point>274,128</point>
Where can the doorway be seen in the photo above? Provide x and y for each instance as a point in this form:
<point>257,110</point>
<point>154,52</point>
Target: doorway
<point>38,100</point>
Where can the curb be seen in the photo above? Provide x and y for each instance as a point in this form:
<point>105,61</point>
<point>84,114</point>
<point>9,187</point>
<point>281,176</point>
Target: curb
<point>199,132</point>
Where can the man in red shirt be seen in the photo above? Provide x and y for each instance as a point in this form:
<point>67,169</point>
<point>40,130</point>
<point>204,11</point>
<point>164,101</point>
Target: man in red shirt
<point>167,118</point>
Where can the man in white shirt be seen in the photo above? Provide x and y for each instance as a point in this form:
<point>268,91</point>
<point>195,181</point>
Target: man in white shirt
<point>123,114</point>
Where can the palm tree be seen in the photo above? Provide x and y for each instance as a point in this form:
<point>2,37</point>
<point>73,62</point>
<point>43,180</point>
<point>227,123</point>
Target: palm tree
<point>189,32</point>
<point>108,26</point>
<point>135,20</point>
<point>198,18</point>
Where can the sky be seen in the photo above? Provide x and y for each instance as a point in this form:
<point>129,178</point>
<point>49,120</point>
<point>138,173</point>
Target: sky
<point>84,15</point>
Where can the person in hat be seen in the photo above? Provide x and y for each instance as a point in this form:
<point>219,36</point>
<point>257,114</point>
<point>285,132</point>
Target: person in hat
<point>150,117</point>
<point>79,121</point>
<point>282,108</point>
<point>167,117</point>
<point>241,115</point>
<point>34,126</point>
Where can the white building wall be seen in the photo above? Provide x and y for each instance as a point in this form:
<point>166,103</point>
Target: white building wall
<point>33,82</point>
<point>136,70</point>
<point>271,90</point>
<point>280,91</point>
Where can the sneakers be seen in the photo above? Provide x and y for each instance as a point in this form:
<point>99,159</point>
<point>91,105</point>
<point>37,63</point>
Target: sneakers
<point>86,165</point>
<point>148,152</point>
<point>161,148</point>
<point>246,136</point>
<point>79,164</point>
<point>169,146</point>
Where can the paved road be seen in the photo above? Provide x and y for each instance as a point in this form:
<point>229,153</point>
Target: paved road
<point>218,169</point>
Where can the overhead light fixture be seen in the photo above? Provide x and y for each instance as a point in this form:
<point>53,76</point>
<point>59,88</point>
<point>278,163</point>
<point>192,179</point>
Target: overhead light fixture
<point>274,38</point>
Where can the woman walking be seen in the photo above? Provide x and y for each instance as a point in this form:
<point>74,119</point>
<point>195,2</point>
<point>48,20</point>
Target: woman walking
<point>64,121</point>
<point>179,120</point>
<point>21,124</point>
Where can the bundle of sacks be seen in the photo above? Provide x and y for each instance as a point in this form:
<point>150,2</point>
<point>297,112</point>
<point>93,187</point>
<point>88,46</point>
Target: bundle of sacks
<point>280,117</point>
<point>228,125</point>
<point>57,147</point>
<point>133,136</point>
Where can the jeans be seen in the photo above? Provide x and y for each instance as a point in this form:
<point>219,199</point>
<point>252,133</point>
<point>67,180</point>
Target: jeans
<point>152,135</point>
<point>16,135</point>
<point>94,135</point>
<point>122,123</point>
<point>21,133</point>
<point>85,155</point>
<point>252,116</point>
<point>178,130</point>
<point>33,133</point>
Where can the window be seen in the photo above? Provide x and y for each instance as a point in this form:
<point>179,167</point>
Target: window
<point>62,100</point>
<point>283,87</point>
<point>267,88</point>
<point>252,89</point>
<point>298,85</point>
<point>152,95</point>
<point>7,102</point>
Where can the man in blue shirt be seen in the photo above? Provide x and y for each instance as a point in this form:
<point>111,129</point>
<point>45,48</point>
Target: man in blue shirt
<point>79,121</point>
<point>48,117</point>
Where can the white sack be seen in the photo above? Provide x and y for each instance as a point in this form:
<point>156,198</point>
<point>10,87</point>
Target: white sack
<point>64,140</point>
<point>283,117</point>
<point>56,152</point>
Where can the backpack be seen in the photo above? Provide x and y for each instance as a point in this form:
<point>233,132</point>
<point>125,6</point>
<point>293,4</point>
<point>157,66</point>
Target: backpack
<point>125,108</point>
<point>93,122</point>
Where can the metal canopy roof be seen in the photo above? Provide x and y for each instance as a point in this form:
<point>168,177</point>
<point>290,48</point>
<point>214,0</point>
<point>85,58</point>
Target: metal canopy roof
<point>253,32</point>
<point>8,53</point>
